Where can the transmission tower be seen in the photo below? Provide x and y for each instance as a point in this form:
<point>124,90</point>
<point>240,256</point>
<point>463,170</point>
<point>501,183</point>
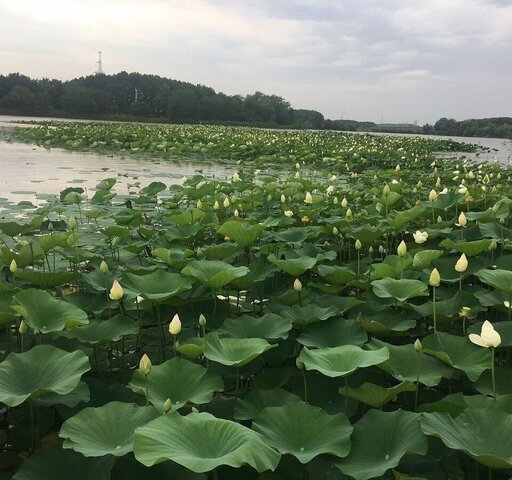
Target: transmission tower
<point>99,66</point>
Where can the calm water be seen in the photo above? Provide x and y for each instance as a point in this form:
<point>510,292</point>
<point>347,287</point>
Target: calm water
<point>33,173</point>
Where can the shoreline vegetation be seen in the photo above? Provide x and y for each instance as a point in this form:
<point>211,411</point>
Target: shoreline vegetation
<point>152,99</point>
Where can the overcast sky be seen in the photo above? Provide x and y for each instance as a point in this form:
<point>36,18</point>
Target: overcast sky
<point>390,60</point>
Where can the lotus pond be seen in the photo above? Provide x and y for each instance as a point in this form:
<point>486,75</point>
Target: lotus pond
<point>338,307</point>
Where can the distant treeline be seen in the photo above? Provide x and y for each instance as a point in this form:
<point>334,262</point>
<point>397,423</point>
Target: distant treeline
<point>134,96</point>
<point>499,127</point>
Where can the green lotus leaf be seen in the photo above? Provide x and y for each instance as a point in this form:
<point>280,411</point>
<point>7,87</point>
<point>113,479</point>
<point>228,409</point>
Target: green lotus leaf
<point>308,314</point>
<point>42,369</point>
<point>333,333</point>
<point>294,266</point>
<point>234,352</point>
<point>59,464</point>
<point>481,433</point>
<point>153,189</point>
<point>500,279</point>
<point>392,266</point>
<point>424,258</point>
<point>201,443</point>
<point>104,331</point>
<point>46,313</point>
<point>341,361</point>
<point>268,326</point>
<point>214,273</point>
<point>257,400</point>
<point>242,232</point>
<point>106,430</point>
<point>336,275</point>
<point>377,396</point>
<point>471,249</point>
<point>387,321</point>
<point>47,279</point>
<point>7,313</point>
<point>192,347</point>
<point>174,257</point>
<point>78,395</point>
<point>365,233</point>
<point>99,281</point>
<point>304,431</point>
<point>403,364</point>
<point>401,290</point>
<point>180,380</point>
<point>456,403</point>
<point>379,442</point>
<point>458,352</point>
<point>157,286</point>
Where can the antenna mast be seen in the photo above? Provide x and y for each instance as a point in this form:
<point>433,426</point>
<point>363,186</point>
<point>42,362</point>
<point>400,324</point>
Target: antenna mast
<point>99,66</point>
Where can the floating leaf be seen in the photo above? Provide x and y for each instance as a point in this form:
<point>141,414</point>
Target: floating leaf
<point>341,361</point>
<point>379,442</point>
<point>104,331</point>
<point>180,380</point>
<point>106,430</point>
<point>157,286</point>
<point>214,273</point>
<point>235,352</point>
<point>268,326</point>
<point>42,369</point>
<point>304,431</point>
<point>333,333</point>
<point>242,232</point>
<point>201,443</point>
<point>294,266</point>
<point>481,433</point>
<point>257,400</point>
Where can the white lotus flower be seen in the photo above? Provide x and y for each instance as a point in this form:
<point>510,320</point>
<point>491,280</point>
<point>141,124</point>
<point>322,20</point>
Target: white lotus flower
<point>288,213</point>
<point>420,237</point>
<point>488,338</point>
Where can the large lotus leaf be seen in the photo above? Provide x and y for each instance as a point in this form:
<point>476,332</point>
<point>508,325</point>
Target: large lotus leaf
<point>192,347</point>
<point>333,333</point>
<point>424,258</point>
<point>293,266</point>
<point>175,257</point>
<point>257,400</point>
<point>59,464</point>
<point>46,279</point>
<point>390,267</point>
<point>377,396</point>
<point>180,380</point>
<point>269,326</point>
<point>242,232</point>
<point>451,306</point>
<point>214,273</point>
<point>304,431</point>
<point>308,314</point>
<point>336,275</point>
<point>471,249</point>
<point>456,403</point>
<point>7,313</point>
<point>401,289</point>
<point>386,321</point>
<point>98,280</point>
<point>201,443</point>
<point>79,394</point>
<point>47,314</point>
<point>106,430</point>
<point>458,352</point>
<point>42,369</point>
<point>341,361</point>
<point>379,442</point>
<point>500,279</point>
<point>104,331</point>
<point>403,364</point>
<point>481,433</point>
<point>234,351</point>
<point>158,285</point>
<point>365,233</point>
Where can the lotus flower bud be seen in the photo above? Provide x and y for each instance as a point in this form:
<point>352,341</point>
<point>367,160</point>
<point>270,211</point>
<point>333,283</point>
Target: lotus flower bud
<point>13,266</point>
<point>335,201</point>
<point>175,325</point>
<point>386,190</point>
<point>402,249</point>
<point>236,177</point>
<point>462,264</point>
<point>335,231</point>
<point>226,203</point>
<point>167,405</point>
<point>381,249</point>
<point>145,365</point>
<point>370,250</point>
<point>397,168</point>
<point>309,198</point>
<point>439,219</point>
<point>23,328</point>
<point>432,196</point>
<point>283,198</point>
<point>305,219</point>
<point>348,214</point>
<point>202,320</point>
<point>435,278</point>
<point>344,202</point>
<point>297,285</point>
<point>116,292</point>
<point>199,204</point>
<point>463,221</point>
<point>418,347</point>
<point>216,205</point>
<point>269,197</point>
<point>358,245</point>
<point>236,213</point>
<point>72,222</point>
<point>103,267</point>
<point>299,364</point>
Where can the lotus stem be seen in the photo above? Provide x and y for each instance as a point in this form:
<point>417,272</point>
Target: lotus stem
<point>417,381</point>
<point>493,374</point>
<point>305,386</point>
<point>434,308</point>
<point>147,390</point>
<point>237,384</point>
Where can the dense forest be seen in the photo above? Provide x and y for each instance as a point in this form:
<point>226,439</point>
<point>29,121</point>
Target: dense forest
<point>134,96</point>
